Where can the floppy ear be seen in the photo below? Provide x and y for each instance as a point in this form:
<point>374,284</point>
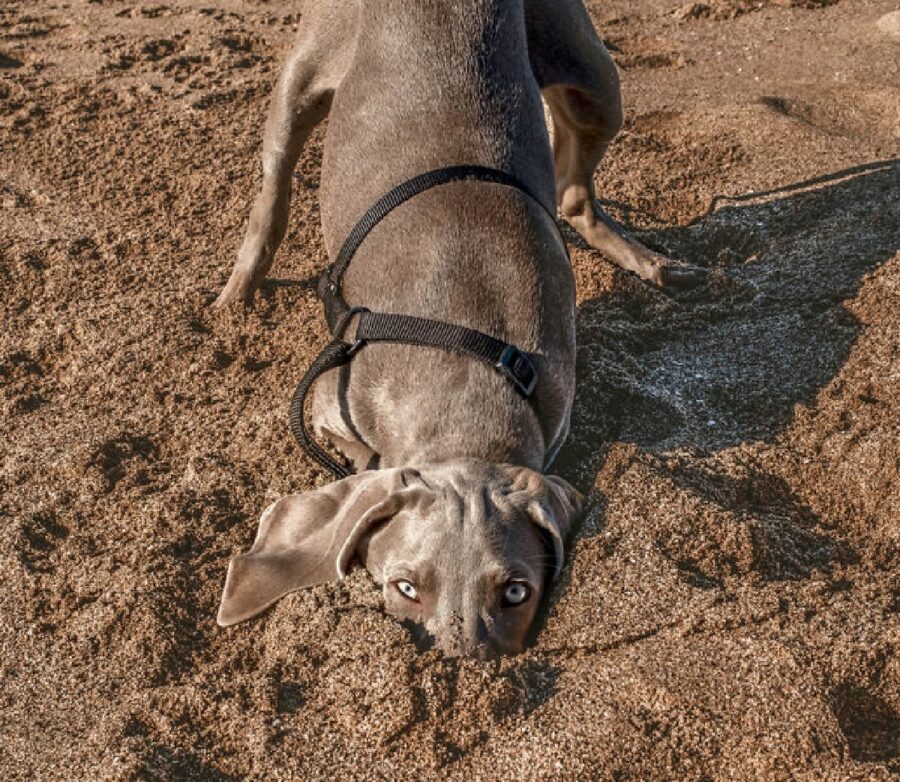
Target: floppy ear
<point>309,539</point>
<point>552,504</point>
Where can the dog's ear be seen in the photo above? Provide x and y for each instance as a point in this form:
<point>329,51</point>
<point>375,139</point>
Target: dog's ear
<point>309,539</point>
<point>552,503</point>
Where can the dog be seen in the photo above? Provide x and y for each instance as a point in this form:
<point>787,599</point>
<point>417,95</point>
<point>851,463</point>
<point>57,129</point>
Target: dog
<point>452,510</point>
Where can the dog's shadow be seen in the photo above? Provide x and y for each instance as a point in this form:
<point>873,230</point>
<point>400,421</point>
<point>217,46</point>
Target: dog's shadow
<point>728,362</point>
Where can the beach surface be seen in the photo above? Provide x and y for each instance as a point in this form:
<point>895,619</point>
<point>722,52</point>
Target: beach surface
<point>730,609</point>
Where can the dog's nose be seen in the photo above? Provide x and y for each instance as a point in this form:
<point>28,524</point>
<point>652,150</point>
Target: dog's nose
<point>466,637</point>
<point>459,647</point>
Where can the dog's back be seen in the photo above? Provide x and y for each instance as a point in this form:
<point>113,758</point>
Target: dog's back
<point>432,83</point>
<point>436,84</point>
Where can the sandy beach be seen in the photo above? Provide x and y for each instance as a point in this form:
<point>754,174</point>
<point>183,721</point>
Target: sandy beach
<point>730,609</point>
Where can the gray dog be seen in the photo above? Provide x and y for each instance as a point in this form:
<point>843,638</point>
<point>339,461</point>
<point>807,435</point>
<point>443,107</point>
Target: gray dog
<point>451,512</point>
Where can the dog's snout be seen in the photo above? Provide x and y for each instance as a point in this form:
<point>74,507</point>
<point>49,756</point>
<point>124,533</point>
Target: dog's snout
<point>465,636</point>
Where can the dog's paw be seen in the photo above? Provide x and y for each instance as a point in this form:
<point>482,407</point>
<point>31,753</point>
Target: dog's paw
<point>681,276</point>
<point>238,290</point>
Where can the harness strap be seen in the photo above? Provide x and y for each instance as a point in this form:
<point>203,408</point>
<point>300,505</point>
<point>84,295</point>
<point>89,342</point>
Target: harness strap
<point>515,365</point>
<point>335,354</point>
<point>412,187</point>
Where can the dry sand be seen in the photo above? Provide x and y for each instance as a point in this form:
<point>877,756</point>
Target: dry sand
<point>730,610</point>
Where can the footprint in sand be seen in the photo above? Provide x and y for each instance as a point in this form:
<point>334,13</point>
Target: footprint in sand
<point>851,112</point>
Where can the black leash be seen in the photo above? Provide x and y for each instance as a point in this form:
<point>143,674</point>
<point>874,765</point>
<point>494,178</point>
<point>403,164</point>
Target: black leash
<point>511,362</point>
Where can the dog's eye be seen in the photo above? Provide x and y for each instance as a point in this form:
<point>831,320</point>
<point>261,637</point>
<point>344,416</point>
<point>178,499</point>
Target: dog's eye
<point>516,593</point>
<point>407,590</point>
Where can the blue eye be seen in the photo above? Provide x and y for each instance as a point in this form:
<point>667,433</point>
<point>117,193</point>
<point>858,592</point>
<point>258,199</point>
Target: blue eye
<point>516,593</point>
<point>408,591</point>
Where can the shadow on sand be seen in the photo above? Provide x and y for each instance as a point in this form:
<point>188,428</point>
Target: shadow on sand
<point>728,362</point>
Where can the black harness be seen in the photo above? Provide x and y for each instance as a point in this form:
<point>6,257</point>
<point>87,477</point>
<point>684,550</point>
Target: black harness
<point>511,362</point>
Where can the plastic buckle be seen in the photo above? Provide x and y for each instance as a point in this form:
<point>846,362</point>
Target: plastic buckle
<point>516,367</point>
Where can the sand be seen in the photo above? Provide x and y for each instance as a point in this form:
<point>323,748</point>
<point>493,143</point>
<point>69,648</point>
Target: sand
<point>730,607</point>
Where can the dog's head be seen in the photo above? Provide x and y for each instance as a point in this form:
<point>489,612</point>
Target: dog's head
<point>464,550</point>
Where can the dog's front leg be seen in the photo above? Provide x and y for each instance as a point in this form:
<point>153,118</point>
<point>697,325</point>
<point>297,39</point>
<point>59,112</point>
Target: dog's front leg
<point>302,99</point>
